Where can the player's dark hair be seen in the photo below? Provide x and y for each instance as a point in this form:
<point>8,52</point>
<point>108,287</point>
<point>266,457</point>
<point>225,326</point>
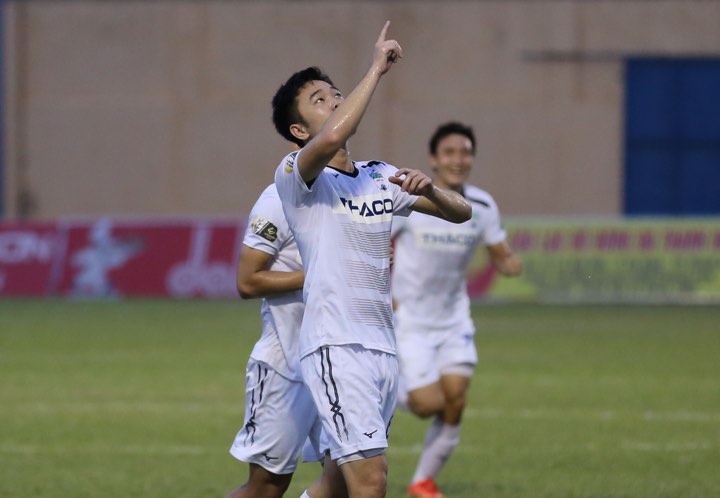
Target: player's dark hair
<point>284,103</point>
<point>451,128</point>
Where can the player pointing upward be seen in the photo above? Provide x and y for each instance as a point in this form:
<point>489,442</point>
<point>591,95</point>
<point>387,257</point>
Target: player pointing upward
<point>340,212</point>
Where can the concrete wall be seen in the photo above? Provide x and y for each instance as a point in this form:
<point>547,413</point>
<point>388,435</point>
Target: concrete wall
<point>162,107</point>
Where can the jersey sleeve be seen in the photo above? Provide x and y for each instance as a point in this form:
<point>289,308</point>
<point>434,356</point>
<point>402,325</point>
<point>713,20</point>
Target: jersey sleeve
<point>399,224</point>
<point>267,229</point>
<point>493,231</point>
<point>290,186</point>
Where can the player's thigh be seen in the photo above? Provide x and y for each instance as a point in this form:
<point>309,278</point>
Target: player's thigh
<point>455,391</point>
<point>454,386</point>
<point>427,400</point>
<point>457,357</point>
<point>355,391</point>
<point>279,415</point>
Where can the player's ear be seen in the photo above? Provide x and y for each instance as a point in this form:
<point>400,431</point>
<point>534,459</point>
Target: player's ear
<point>299,131</point>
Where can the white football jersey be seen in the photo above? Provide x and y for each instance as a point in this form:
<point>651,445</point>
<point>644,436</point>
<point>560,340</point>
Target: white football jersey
<point>432,255</point>
<point>268,231</point>
<point>342,224</point>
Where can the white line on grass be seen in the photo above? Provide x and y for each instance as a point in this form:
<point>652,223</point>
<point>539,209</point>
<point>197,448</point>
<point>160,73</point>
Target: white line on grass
<point>645,382</point>
<point>602,415</point>
<point>31,450</point>
<point>128,407</point>
<point>667,447</point>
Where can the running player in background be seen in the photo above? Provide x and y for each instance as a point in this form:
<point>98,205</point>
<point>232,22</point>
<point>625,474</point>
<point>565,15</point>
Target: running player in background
<point>434,330</point>
<point>279,410</point>
<point>340,213</point>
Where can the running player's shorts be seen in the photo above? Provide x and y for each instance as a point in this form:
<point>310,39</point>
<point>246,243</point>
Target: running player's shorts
<point>279,417</point>
<point>426,355</point>
<point>355,391</point>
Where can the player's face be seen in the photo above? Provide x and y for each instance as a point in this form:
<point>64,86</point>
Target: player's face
<point>452,161</point>
<point>316,101</point>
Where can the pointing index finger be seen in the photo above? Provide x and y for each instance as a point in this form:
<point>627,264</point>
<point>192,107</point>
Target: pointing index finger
<point>402,171</point>
<point>381,38</point>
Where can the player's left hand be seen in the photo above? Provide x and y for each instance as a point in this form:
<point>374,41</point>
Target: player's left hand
<point>415,182</point>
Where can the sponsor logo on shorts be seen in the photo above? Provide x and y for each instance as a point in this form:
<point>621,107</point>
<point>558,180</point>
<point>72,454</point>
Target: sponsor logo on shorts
<point>370,434</point>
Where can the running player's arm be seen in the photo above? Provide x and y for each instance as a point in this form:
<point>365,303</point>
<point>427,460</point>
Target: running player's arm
<point>255,280</point>
<point>344,120</point>
<point>504,260</point>
<point>435,201</point>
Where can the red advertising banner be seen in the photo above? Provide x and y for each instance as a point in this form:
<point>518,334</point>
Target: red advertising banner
<point>28,254</point>
<point>582,261</point>
<point>107,258</point>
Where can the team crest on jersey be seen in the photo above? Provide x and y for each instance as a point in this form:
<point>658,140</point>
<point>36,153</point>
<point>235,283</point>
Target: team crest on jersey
<point>379,179</point>
<point>264,228</point>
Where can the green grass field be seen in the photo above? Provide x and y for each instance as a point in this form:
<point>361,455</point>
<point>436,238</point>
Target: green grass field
<point>143,398</point>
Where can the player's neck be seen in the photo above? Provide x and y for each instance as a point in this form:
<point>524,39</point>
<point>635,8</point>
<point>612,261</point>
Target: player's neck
<point>460,189</point>
<point>341,160</point>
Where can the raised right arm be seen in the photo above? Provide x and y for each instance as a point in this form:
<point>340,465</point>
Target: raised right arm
<point>344,120</point>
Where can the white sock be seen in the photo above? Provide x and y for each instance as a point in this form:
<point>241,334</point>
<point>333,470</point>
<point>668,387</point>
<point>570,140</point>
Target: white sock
<point>305,495</point>
<point>440,441</point>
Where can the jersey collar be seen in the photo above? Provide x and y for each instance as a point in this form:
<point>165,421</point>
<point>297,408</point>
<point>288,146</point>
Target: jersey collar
<point>354,173</point>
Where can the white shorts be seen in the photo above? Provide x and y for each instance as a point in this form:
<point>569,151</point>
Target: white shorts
<point>279,417</point>
<point>355,392</point>
<point>425,356</point>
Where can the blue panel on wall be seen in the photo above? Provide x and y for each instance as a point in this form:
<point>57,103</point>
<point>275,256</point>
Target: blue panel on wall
<point>700,94</point>
<point>672,137</point>
<point>649,181</point>
<point>650,110</point>
<point>699,190</point>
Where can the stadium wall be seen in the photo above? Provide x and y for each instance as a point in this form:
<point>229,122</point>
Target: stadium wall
<point>162,108</point>
<point>660,261</point>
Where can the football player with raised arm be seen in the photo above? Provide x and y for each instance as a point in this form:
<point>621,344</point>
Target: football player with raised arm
<point>436,349</point>
<point>340,212</point>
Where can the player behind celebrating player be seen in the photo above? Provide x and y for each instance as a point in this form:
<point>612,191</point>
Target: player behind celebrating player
<point>340,213</point>
<point>434,329</point>
<point>279,411</point>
